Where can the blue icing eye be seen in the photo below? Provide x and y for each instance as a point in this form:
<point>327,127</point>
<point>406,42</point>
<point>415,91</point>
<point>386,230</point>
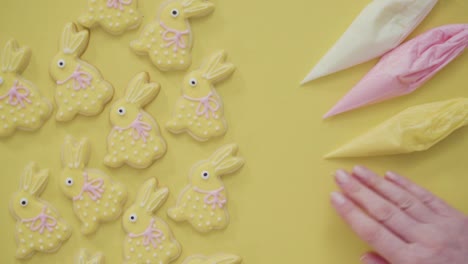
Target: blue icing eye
<point>193,82</point>
<point>61,64</point>
<point>205,175</point>
<point>121,111</point>
<point>133,218</point>
<point>24,202</point>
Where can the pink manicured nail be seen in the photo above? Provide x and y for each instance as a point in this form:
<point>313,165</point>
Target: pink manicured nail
<point>342,177</point>
<point>393,176</point>
<point>366,260</point>
<point>360,172</point>
<point>338,198</point>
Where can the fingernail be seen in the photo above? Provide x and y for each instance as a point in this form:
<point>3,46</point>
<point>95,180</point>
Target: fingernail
<point>392,176</point>
<point>365,259</point>
<point>342,177</point>
<point>338,198</point>
<point>360,172</point>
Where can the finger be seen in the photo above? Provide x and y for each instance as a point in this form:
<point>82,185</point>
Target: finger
<point>373,258</point>
<point>395,194</point>
<point>436,204</point>
<point>375,234</point>
<point>382,210</point>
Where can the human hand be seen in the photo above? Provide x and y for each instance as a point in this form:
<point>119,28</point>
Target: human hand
<point>404,223</point>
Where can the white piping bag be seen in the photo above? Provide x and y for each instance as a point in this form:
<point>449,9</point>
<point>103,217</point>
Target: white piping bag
<point>379,28</point>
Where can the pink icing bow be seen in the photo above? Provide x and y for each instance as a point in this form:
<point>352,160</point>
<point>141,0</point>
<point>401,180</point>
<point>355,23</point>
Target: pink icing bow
<point>41,222</point>
<point>81,79</point>
<point>93,187</point>
<point>177,39</point>
<point>140,128</point>
<point>213,198</point>
<point>204,107</point>
<point>18,94</point>
<point>118,3</point>
<point>150,235</point>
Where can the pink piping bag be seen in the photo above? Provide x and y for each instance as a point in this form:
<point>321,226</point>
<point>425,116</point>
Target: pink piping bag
<point>406,68</point>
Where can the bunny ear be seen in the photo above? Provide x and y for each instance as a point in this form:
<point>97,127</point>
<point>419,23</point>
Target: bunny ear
<point>215,69</point>
<point>157,199</point>
<point>96,259</point>
<point>67,151</point>
<point>222,153</point>
<point>34,180</point>
<point>72,41</point>
<point>85,258</point>
<point>82,257</point>
<point>229,165</point>
<point>75,155</point>
<point>26,179</point>
<point>145,192</point>
<point>197,8</point>
<point>82,153</point>
<point>15,58</point>
<point>140,91</point>
<point>225,259</point>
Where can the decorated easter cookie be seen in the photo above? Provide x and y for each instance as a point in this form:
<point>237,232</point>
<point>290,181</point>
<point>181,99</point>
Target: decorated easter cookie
<point>215,259</point>
<point>39,226</point>
<point>84,257</point>
<point>135,138</point>
<point>149,239</point>
<point>168,39</point>
<point>203,202</point>
<point>81,88</point>
<point>115,16</point>
<point>199,111</point>
<point>96,198</point>
<point>21,105</point>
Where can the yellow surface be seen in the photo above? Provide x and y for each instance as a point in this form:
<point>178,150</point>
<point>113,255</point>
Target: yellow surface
<point>279,201</point>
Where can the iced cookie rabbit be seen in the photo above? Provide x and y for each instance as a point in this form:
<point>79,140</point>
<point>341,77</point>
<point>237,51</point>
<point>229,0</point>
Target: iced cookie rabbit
<point>39,226</point>
<point>96,198</point>
<point>149,239</point>
<point>215,259</point>
<point>81,89</point>
<point>21,104</point>
<point>135,138</point>
<point>114,16</point>
<point>203,202</point>
<point>168,39</point>
<point>199,111</point>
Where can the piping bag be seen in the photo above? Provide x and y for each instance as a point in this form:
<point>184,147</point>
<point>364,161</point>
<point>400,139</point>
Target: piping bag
<point>415,129</point>
<point>381,26</point>
<point>406,68</point>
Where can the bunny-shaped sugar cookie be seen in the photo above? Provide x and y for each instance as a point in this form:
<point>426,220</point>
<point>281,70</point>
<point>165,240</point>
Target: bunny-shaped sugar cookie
<point>215,259</point>
<point>135,138</point>
<point>149,239</point>
<point>84,257</point>
<point>21,104</point>
<point>96,198</point>
<point>39,226</point>
<point>203,202</point>
<point>114,16</point>
<point>199,111</point>
<point>168,39</point>
<point>81,89</point>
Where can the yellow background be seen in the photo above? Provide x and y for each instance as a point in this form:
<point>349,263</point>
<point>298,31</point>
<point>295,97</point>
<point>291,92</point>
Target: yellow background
<point>279,202</point>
